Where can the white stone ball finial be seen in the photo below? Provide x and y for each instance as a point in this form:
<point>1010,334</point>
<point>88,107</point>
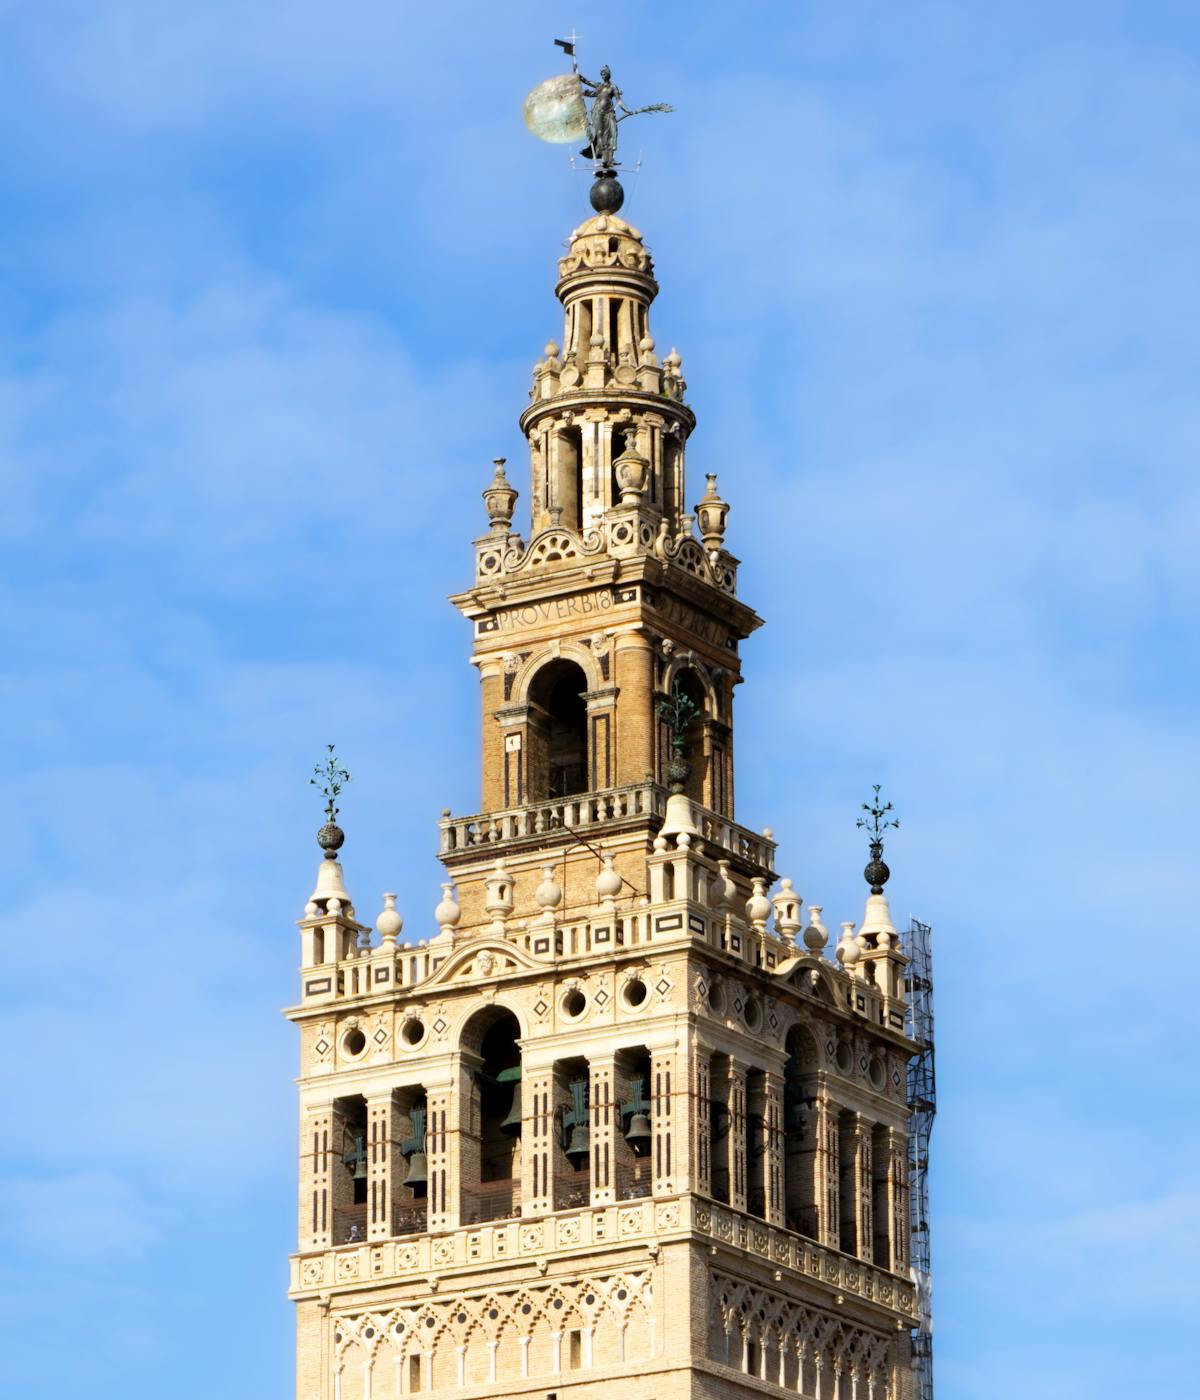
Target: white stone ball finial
<point>758,906</point>
<point>608,882</point>
<point>447,913</point>
<point>816,935</point>
<point>549,893</point>
<point>389,923</point>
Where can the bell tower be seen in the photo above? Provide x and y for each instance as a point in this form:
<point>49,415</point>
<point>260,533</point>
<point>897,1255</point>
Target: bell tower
<point>611,1121</point>
<point>614,584</point>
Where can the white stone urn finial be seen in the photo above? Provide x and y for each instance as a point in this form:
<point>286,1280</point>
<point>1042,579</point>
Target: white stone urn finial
<point>447,913</point>
<point>758,906</point>
<point>389,923</point>
<point>608,882</point>
<point>816,935</point>
<point>548,894</point>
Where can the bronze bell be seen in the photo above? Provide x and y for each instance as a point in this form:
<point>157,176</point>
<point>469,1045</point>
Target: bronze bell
<point>637,1135</point>
<point>356,1158</point>
<point>512,1123</point>
<point>578,1144</point>
<point>418,1170</point>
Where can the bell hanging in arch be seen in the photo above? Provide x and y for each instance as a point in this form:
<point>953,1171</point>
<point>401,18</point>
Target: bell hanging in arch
<point>418,1170</point>
<point>512,1122</point>
<point>637,1135</point>
<point>579,1144</point>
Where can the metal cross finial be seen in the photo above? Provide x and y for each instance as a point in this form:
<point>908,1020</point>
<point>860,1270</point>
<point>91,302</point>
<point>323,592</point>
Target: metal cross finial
<point>330,777</point>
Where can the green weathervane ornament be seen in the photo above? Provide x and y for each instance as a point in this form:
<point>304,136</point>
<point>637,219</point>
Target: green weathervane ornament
<point>330,777</point>
<point>875,823</point>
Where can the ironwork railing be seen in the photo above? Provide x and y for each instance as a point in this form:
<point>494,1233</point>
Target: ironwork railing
<point>410,1217</point>
<point>803,1220</point>
<point>491,1200</point>
<point>572,1189</point>
<point>350,1224</point>
<point>633,1180</point>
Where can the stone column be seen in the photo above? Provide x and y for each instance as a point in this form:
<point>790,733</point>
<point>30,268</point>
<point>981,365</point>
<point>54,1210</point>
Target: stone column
<point>701,1121</point>
<point>736,1102</point>
<point>669,1143</point>
<point>537,1137</point>
<point>603,1090</point>
<point>634,664</point>
<point>316,1204</point>
<point>602,737</point>
<point>491,683</point>
<point>519,760</point>
<point>864,1222</point>
<point>444,1195</point>
<point>826,1168</point>
<point>463,1136</point>
<point>383,1154</point>
<point>773,1146</point>
<point>895,1171</point>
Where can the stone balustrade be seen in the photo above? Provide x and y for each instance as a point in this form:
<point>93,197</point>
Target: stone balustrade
<point>379,971</point>
<point>497,831</point>
<point>654,1222</point>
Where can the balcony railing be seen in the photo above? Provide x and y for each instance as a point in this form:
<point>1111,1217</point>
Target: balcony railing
<point>409,1218</point>
<point>803,1220</point>
<point>633,1180</point>
<point>349,1224</point>
<point>491,1200</point>
<point>572,1189</point>
<point>581,810</point>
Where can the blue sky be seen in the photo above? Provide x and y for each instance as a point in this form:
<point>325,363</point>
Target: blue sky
<point>271,283</point>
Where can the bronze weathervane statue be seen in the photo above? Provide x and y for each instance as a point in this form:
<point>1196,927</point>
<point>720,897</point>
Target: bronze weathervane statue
<point>556,111</point>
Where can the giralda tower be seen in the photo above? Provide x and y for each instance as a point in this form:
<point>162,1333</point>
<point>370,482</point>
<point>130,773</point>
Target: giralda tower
<point>615,1120</point>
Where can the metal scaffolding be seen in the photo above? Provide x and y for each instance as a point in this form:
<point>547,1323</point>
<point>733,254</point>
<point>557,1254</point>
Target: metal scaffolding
<point>922,1105</point>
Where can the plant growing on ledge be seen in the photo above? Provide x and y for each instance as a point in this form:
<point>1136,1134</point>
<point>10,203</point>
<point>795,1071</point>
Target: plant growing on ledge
<point>678,712</point>
<point>330,778</point>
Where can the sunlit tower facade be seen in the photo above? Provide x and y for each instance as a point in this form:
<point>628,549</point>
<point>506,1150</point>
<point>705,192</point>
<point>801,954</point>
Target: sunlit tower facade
<point>616,1118</point>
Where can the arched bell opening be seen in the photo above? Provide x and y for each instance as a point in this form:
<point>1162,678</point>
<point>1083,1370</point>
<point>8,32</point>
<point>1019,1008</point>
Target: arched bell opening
<point>411,1191</point>
<point>881,1196</point>
<point>566,457</point>
<point>350,1171</point>
<point>800,1132</point>
<point>720,1135</point>
<point>572,1137</point>
<point>634,1143</point>
<point>491,1147</point>
<point>558,749</point>
<point>757,1156</point>
<point>694,737</point>
<point>848,1182</point>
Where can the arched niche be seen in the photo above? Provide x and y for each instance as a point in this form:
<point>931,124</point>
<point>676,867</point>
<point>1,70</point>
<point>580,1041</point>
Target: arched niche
<point>691,679</point>
<point>490,1140</point>
<point>557,742</point>
<point>800,1186</point>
